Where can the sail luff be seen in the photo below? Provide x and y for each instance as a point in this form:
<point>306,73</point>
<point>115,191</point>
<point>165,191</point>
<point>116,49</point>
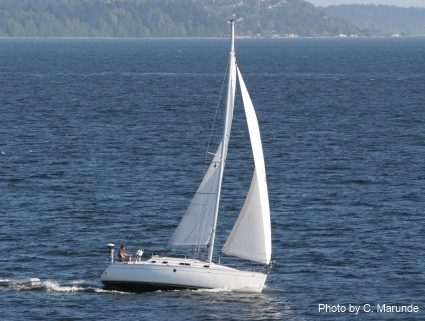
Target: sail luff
<point>231,89</point>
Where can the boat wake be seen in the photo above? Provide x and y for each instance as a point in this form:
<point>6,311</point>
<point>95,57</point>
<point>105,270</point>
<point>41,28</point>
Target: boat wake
<point>70,286</point>
<point>52,286</point>
<point>217,290</point>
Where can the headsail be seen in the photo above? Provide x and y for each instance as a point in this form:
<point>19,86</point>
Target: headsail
<point>250,237</point>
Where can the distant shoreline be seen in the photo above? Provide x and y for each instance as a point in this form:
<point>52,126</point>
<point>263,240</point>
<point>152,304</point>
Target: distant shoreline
<point>244,37</point>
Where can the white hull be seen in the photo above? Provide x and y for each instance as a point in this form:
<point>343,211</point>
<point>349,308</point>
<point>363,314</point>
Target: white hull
<point>166,273</point>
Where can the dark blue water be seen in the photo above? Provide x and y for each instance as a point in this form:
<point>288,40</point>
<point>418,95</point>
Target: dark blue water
<point>104,141</point>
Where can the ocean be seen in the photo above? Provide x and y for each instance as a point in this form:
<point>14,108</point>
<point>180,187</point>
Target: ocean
<point>104,140</point>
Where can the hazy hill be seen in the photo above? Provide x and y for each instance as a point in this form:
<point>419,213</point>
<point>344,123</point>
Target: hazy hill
<point>387,19</point>
<point>167,18</point>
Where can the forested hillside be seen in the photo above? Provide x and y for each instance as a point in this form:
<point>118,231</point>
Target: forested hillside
<point>167,18</point>
<point>387,19</point>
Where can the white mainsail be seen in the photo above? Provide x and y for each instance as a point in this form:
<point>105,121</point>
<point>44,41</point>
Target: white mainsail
<point>250,237</point>
<point>196,227</point>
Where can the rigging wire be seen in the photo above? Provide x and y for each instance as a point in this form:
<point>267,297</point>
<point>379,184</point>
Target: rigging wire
<point>216,113</point>
<point>131,233</point>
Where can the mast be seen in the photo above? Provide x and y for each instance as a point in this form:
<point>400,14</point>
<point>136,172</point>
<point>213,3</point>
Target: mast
<point>226,137</point>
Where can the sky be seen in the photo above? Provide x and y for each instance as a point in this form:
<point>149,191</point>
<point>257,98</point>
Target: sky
<point>398,3</point>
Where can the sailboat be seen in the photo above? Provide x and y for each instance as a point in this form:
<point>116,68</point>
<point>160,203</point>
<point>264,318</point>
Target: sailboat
<point>250,238</point>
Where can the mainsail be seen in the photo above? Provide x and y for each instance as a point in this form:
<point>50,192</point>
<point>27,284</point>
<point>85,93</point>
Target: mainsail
<point>196,227</point>
<point>250,237</point>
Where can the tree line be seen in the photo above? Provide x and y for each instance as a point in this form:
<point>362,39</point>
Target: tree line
<point>168,18</point>
<point>386,19</point>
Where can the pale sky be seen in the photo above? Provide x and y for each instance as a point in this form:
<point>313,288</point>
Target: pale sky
<point>398,3</point>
